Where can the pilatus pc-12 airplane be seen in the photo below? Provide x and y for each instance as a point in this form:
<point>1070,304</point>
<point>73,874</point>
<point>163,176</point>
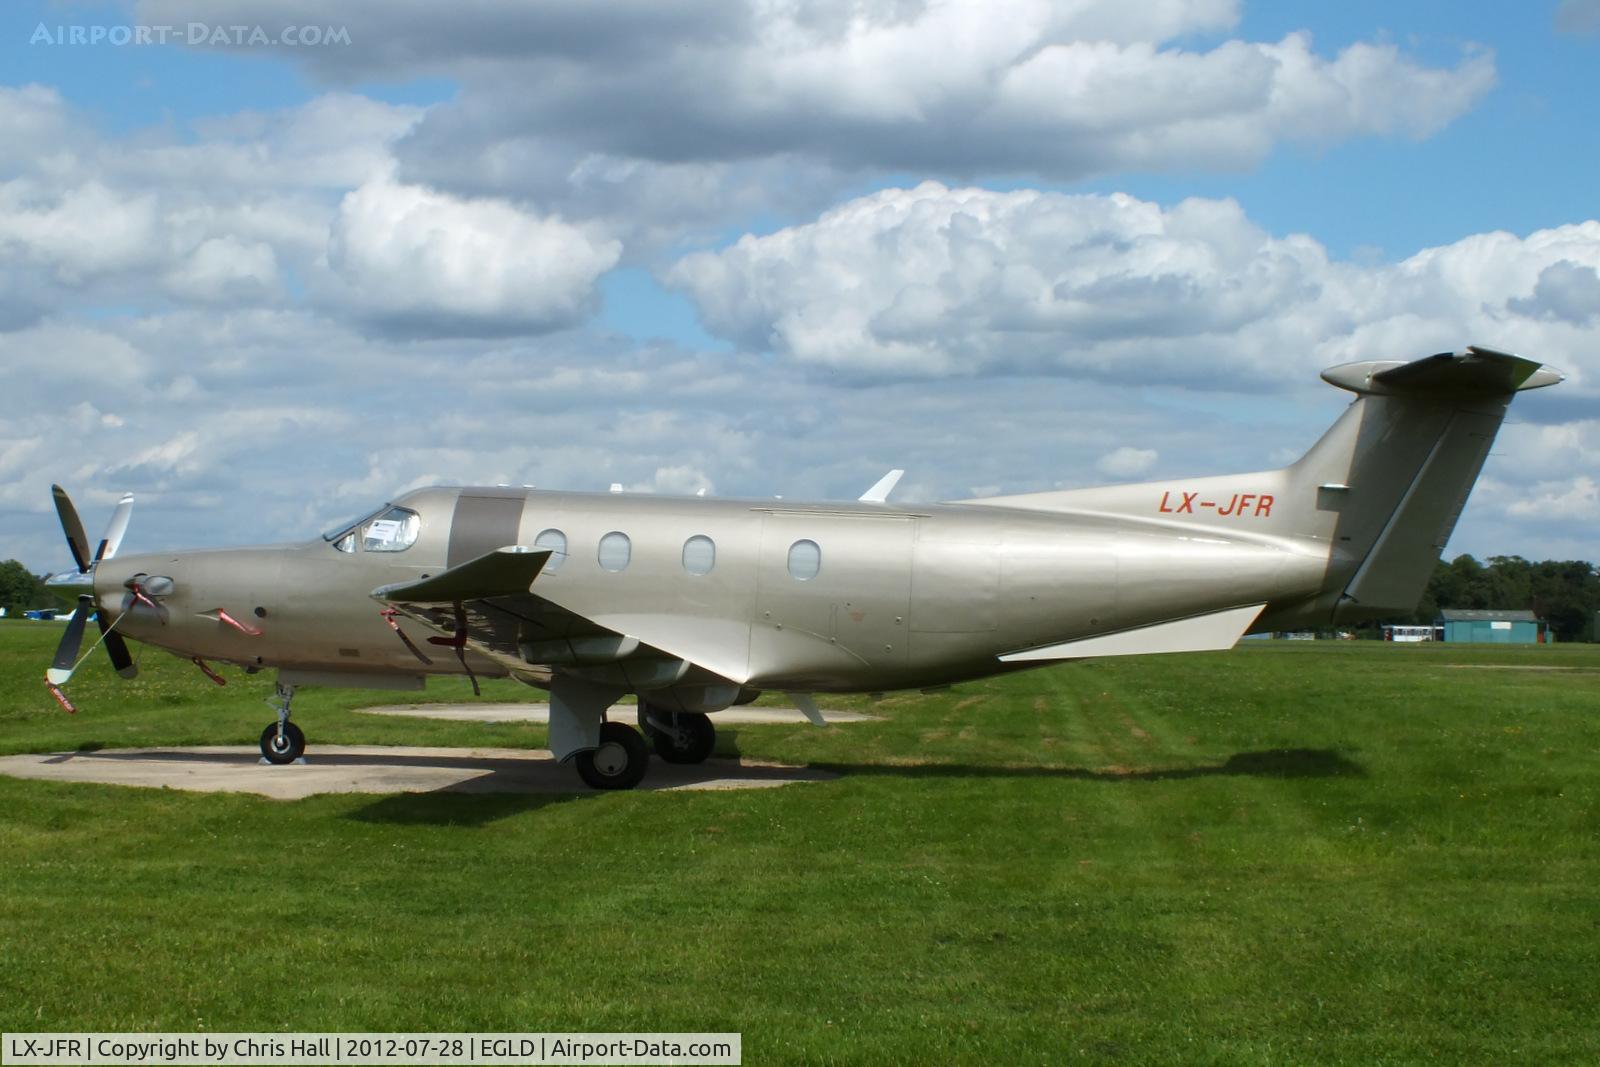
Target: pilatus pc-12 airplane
<point>696,604</point>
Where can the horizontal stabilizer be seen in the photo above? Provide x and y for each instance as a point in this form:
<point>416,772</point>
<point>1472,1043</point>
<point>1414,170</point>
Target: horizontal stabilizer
<point>504,571</point>
<point>1215,632</point>
<point>1477,370</point>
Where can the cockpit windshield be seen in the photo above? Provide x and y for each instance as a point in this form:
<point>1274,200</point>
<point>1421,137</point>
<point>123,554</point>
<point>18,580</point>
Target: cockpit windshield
<point>337,533</point>
<point>389,529</point>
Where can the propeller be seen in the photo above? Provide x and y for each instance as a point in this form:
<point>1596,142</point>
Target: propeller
<point>66,659</point>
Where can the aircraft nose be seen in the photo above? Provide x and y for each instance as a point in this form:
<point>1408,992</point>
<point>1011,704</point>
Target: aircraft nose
<point>130,580</point>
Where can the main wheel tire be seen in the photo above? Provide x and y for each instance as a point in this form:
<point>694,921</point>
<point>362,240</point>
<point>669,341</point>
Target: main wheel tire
<point>286,749</point>
<point>688,737</point>
<point>620,760</point>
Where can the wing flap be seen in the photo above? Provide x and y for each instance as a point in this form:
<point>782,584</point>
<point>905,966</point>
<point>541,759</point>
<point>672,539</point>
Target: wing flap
<point>721,646</point>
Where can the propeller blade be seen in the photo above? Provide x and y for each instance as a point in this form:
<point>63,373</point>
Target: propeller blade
<point>115,528</point>
<point>72,526</point>
<point>117,649</point>
<point>60,671</point>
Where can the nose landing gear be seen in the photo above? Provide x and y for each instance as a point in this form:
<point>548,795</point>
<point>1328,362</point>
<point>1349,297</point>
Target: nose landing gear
<point>282,742</point>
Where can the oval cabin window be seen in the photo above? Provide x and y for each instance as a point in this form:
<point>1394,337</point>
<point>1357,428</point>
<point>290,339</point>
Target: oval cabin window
<point>556,542</point>
<point>805,560</point>
<point>615,551</point>
<point>699,554</point>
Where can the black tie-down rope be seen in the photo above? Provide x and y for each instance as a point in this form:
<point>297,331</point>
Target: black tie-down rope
<point>389,617</point>
<point>459,643</point>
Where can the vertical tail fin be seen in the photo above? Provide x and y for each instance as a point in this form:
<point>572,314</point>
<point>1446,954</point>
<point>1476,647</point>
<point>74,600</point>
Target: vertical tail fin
<point>1394,472</point>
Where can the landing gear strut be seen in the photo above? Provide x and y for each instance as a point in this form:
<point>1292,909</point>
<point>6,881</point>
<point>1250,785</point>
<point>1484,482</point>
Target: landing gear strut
<point>620,760</point>
<point>283,741</point>
<point>678,736</point>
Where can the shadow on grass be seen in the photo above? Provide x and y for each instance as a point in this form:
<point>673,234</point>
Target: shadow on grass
<point>458,809</point>
<point>483,805</point>
<point>1271,763</point>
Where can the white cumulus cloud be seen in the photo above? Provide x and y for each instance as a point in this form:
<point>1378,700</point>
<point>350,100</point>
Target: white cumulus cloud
<point>445,265</point>
<point>1126,462</point>
<point>942,87</point>
<point>933,282</point>
<point>224,268</point>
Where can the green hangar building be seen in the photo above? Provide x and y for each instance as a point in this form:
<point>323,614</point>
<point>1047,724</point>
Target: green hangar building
<point>1482,626</point>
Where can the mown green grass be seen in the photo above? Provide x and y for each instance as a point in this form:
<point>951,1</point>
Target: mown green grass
<point>1329,853</point>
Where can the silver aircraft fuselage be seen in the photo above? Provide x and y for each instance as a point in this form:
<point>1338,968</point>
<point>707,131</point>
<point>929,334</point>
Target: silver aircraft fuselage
<point>901,597</point>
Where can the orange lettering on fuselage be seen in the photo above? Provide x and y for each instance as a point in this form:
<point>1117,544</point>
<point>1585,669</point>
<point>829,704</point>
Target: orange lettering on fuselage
<point>1185,506</point>
<point>1254,505</point>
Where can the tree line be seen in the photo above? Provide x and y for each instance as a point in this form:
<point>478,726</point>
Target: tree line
<point>22,590</point>
<point>1565,593</point>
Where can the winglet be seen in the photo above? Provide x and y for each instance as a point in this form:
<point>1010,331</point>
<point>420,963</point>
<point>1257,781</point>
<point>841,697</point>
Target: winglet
<point>808,707</point>
<point>882,488</point>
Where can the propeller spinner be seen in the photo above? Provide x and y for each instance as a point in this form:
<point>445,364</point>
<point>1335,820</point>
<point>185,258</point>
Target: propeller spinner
<point>66,658</point>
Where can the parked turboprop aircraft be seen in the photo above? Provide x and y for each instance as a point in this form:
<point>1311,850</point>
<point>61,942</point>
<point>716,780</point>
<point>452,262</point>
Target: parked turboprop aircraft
<point>698,604</point>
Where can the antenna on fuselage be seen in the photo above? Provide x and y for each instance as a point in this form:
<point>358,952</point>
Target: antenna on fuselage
<point>882,488</point>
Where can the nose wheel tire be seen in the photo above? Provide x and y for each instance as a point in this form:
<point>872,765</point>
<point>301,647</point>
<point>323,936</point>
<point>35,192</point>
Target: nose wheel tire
<point>287,748</point>
<point>620,760</point>
<point>685,737</point>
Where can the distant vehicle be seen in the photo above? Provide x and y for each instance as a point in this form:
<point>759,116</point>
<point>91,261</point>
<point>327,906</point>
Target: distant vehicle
<point>42,614</point>
<point>696,605</point>
<point>1408,634</point>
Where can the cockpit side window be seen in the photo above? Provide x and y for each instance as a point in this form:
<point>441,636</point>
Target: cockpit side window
<point>393,530</point>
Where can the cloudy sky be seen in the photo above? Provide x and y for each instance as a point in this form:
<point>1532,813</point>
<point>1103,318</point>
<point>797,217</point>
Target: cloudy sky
<point>267,262</point>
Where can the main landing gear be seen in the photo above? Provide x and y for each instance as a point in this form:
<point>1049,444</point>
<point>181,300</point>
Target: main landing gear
<point>620,760</point>
<point>623,755</point>
<point>283,741</point>
<point>678,736</point>
<point>613,755</point>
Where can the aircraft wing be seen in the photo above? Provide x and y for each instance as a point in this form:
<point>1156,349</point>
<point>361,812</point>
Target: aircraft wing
<point>491,574</point>
<point>487,605</point>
